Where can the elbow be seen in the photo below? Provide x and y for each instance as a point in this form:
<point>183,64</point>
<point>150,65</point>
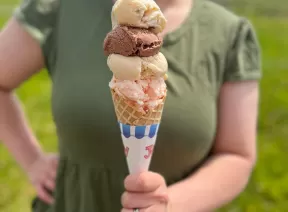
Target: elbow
<point>248,169</point>
<point>5,94</point>
<point>243,163</point>
<point>248,163</point>
<point>251,160</point>
<point>6,87</point>
<point>4,90</point>
<point>245,167</point>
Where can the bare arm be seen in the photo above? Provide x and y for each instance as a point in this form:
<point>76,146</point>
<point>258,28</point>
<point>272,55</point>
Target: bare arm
<point>20,57</point>
<point>226,174</point>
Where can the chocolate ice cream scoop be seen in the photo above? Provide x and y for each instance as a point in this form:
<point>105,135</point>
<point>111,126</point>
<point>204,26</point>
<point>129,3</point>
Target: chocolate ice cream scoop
<point>131,41</point>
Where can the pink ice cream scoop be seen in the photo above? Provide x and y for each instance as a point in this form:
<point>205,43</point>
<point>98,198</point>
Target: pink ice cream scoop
<point>146,93</point>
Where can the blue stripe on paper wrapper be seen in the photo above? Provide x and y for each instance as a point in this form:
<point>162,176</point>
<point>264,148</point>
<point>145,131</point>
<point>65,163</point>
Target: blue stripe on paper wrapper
<point>139,131</point>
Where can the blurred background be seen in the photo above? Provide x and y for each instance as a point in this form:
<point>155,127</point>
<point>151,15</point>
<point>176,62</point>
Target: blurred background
<point>268,188</point>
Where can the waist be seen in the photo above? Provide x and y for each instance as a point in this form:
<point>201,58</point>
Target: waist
<point>97,152</point>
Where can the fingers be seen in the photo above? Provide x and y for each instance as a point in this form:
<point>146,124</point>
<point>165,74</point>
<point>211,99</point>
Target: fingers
<point>52,173</point>
<point>144,182</point>
<point>157,208</point>
<point>145,200</point>
<point>49,178</point>
<point>44,195</point>
<point>131,210</point>
<point>45,185</point>
<point>146,191</point>
<point>49,183</point>
<point>54,161</point>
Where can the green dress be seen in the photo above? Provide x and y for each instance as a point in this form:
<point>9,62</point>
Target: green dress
<point>213,46</point>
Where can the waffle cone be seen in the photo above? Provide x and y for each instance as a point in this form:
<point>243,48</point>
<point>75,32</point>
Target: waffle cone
<point>127,114</point>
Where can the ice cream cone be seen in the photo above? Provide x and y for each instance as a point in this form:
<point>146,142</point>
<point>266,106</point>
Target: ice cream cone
<point>127,114</point>
<point>139,72</point>
<point>138,132</point>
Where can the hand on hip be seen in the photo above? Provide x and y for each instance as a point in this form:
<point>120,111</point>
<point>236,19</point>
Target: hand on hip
<point>42,174</point>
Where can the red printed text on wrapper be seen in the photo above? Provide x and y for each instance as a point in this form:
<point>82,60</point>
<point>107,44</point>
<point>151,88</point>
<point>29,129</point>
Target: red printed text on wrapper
<point>126,151</point>
<point>149,150</point>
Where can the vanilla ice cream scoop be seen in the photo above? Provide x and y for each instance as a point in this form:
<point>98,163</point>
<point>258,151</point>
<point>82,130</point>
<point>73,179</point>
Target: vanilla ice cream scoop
<point>135,68</point>
<point>138,13</point>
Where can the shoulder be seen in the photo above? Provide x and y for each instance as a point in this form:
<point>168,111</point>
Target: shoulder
<point>230,39</point>
<point>218,14</point>
<point>38,17</point>
<point>222,27</point>
<point>219,20</point>
<point>42,8</point>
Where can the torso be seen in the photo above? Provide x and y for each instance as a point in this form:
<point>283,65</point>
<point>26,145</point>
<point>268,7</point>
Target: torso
<point>82,104</point>
<point>83,107</point>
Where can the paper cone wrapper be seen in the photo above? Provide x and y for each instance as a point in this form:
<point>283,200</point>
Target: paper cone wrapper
<point>139,142</point>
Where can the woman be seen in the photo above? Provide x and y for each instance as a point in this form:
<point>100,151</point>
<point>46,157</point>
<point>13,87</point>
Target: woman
<point>206,147</point>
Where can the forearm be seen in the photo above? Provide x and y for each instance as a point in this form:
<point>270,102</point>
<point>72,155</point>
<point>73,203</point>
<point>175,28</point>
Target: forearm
<point>218,182</point>
<point>15,133</point>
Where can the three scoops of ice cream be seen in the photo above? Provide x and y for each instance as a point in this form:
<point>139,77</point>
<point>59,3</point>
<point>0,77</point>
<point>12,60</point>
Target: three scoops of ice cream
<point>139,68</point>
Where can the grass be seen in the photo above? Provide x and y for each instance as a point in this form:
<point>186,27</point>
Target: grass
<point>268,188</point>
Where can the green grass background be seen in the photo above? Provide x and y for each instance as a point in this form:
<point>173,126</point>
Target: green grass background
<point>268,188</point>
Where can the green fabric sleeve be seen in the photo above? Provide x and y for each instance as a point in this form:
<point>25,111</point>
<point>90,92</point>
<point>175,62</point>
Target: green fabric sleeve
<point>244,54</point>
<point>38,18</point>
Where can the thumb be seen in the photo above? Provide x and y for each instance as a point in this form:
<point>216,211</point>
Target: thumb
<point>144,182</point>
